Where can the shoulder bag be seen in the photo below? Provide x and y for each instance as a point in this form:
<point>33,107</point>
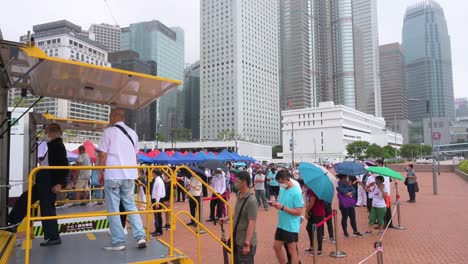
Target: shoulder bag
<point>237,221</point>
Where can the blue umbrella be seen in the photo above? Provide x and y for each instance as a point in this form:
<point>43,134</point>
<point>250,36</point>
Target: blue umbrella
<point>350,168</point>
<point>317,180</point>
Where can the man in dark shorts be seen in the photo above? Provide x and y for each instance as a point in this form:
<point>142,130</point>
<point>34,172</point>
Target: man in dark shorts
<point>290,206</point>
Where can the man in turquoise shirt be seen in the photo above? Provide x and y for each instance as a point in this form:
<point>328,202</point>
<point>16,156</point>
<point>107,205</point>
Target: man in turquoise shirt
<point>273,185</point>
<point>290,204</point>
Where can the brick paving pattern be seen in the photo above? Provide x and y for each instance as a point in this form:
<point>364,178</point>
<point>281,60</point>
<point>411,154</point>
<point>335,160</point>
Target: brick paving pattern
<point>437,230</point>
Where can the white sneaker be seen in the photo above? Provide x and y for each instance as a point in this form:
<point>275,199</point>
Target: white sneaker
<point>115,248</point>
<point>141,243</point>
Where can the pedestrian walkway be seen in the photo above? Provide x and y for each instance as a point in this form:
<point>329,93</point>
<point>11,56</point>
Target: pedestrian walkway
<point>437,230</point>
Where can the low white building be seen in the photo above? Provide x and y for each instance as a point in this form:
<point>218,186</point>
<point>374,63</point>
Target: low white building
<point>324,132</point>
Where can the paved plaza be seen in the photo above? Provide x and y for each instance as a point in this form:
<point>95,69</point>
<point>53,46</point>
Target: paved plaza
<point>437,230</point>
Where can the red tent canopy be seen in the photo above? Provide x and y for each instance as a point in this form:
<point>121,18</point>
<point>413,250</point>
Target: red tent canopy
<point>185,153</point>
<point>90,150</point>
<point>153,153</point>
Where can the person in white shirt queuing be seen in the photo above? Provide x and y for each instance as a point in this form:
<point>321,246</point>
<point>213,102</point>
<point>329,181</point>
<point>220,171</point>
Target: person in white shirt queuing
<point>218,182</point>
<point>195,189</point>
<point>361,192</point>
<point>83,175</point>
<point>379,206</point>
<point>259,186</point>
<point>158,191</point>
<point>119,147</point>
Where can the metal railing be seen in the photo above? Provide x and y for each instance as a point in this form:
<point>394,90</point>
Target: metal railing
<point>148,205</point>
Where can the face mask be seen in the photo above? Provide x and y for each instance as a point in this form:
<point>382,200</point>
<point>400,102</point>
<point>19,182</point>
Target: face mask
<point>283,185</point>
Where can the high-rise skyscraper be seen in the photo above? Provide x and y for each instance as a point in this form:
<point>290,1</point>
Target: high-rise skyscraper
<point>107,35</point>
<point>366,56</point>
<point>393,88</point>
<point>239,70</point>
<point>191,97</point>
<point>298,87</point>
<point>155,41</point>
<point>461,107</point>
<point>329,52</point>
<point>426,46</point>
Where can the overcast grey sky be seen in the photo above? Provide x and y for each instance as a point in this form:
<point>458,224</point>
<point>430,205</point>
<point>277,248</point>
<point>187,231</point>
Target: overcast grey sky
<point>18,17</point>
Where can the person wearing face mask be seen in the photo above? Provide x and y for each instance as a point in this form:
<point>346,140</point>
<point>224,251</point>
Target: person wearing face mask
<point>273,185</point>
<point>290,205</point>
<point>48,184</point>
<point>347,190</point>
<point>245,216</point>
<point>218,183</point>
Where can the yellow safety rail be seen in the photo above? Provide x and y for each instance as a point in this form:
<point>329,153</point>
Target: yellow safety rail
<point>148,208</point>
<point>149,211</point>
<point>229,248</point>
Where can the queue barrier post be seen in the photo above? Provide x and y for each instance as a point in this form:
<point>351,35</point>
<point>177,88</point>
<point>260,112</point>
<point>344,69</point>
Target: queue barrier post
<point>315,242</point>
<point>378,248</point>
<point>337,253</point>
<point>398,203</point>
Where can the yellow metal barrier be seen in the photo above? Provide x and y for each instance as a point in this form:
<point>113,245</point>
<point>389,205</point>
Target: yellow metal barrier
<point>148,205</point>
<point>229,248</point>
<point>148,211</point>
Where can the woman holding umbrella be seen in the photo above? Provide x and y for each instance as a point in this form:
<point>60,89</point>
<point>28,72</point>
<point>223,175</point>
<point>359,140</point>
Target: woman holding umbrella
<point>346,193</point>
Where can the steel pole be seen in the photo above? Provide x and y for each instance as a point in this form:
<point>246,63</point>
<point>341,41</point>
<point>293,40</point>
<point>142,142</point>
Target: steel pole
<point>337,253</point>
<point>434,174</point>
<point>292,138</point>
<point>378,247</point>
<point>399,226</point>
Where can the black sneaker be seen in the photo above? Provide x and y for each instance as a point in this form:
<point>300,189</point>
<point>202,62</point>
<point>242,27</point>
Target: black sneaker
<point>346,235</point>
<point>156,234</point>
<point>357,234</point>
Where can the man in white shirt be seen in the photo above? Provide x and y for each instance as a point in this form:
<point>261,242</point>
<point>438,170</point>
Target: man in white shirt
<point>83,175</point>
<point>218,182</point>
<point>195,189</point>
<point>119,147</point>
<point>158,192</point>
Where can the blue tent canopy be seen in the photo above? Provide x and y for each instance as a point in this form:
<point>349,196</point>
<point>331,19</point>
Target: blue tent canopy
<point>162,158</point>
<point>178,158</point>
<point>212,156</point>
<point>226,156</point>
<point>202,157</point>
<point>144,159</point>
<point>236,156</point>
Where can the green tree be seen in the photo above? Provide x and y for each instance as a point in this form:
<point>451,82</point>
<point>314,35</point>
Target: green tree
<point>21,102</point>
<point>182,134</point>
<point>160,137</point>
<point>389,152</point>
<point>226,134</point>
<point>277,149</point>
<point>409,151</point>
<point>374,151</point>
<point>357,149</point>
<point>426,150</point>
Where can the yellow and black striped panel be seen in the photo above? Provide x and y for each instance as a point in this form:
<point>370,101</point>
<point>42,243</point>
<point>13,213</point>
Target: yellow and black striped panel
<point>76,227</point>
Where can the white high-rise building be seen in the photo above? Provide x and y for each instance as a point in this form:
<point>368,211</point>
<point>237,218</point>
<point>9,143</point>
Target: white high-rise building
<point>239,70</point>
<point>65,40</point>
<point>107,35</point>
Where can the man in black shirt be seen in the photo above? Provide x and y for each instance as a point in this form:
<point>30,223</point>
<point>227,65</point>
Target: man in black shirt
<point>48,184</point>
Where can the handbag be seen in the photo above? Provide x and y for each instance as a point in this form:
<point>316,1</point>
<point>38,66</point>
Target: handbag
<point>237,222</point>
<point>406,180</point>
<point>416,187</point>
<point>346,201</point>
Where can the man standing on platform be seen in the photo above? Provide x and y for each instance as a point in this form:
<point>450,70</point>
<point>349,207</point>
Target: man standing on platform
<point>119,147</point>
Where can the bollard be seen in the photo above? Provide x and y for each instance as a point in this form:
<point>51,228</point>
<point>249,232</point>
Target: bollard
<point>378,248</point>
<point>314,242</point>
<point>337,253</point>
<point>399,226</point>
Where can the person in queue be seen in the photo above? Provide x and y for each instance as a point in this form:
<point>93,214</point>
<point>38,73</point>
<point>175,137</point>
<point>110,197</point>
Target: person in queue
<point>379,206</point>
<point>119,147</point>
<point>290,205</point>
<point>411,179</point>
<point>346,189</point>
<point>314,213</point>
<point>219,185</point>
<point>245,217</point>
<point>48,184</point>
